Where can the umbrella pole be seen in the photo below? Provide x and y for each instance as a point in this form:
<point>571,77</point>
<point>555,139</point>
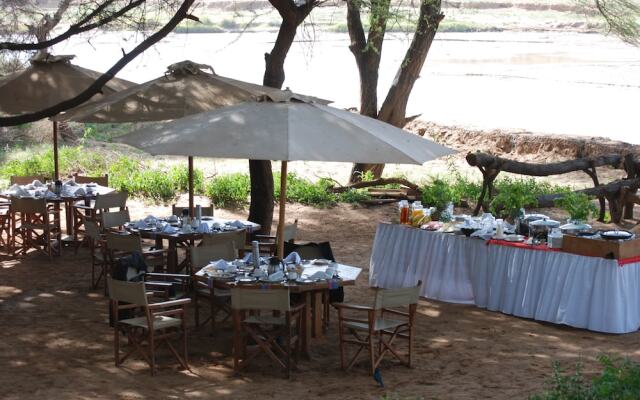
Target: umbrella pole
<point>56,172</point>
<point>281,209</point>
<point>191,214</point>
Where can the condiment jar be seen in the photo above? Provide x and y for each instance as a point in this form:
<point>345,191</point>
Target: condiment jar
<point>403,208</point>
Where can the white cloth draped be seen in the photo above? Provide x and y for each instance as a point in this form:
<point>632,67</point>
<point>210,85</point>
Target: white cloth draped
<point>583,292</point>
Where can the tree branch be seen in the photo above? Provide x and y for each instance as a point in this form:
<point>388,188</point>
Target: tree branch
<point>74,29</point>
<point>181,14</point>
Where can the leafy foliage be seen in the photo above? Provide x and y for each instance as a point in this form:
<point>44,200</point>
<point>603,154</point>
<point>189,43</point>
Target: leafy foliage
<point>619,380</point>
<point>306,192</point>
<point>514,194</point>
<point>579,206</point>
<point>438,193</point>
<point>229,190</point>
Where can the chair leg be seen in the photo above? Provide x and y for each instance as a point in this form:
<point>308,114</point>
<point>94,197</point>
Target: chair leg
<point>372,356</point>
<point>152,351</point>
<point>196,308</point>
<point>184,342</point>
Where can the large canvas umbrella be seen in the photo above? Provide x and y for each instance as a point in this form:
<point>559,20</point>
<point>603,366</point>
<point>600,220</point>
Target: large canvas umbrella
<point>286,131</point>
<point>185,89</point>
<point>47,81</point>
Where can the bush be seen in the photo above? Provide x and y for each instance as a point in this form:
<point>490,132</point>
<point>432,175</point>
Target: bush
<point>180,176</point>
<point>514,194</point>
<point>306,192</point>
<point>579,206</point>
<point>229,190</point>
<point>438,193</point>
<point>354,196</point>
<point>619,380</point>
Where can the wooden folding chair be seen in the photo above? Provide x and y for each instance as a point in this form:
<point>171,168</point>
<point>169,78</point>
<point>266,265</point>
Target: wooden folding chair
<point>219,299</point>
<point>276,334</point>
<point>98,249</point>
<point>120,245</point>
<point>25,180</point>
<point>100,180</point>
<point>5,225</point>
<point>238,238</point>
<point>269,243</point>
<point>160,323</point>
<point>36,224</point>
<point>115,201</point>
<point>377,332</point>
<point>207,211</point>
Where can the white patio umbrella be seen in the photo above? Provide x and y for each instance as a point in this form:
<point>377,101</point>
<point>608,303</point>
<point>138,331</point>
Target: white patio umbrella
<point>186,88</point>
<point>285,131</point>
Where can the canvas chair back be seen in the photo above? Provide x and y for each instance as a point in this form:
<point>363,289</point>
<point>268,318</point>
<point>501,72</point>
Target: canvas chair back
<point>290,231</point>
<point>125,243</point>
<point>177,210</point>
<point>25,180</point>
<point>130,292</point>
<point>203,255</point>
<point>310,251</point>
<point>111,200</point>
<point>238,238</point>
<point>389,298</point>
<point>100,180</point>
<point>114,219</point>
<point>92,230</point>
<point>260,299</point>
<point>28,205</point>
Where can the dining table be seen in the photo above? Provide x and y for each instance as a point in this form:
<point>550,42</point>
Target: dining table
<point>69,195</point>
<point>310,290</point>
<point>177,237</point>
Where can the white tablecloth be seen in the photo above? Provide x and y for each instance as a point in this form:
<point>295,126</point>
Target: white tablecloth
<point>583,292</point>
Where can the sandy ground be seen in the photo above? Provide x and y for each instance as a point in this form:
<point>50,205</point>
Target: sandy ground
<point>56,343</point>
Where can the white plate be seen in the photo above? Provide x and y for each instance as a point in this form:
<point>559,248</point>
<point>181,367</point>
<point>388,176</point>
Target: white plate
<point>514,238</point>
<point>320,261</point>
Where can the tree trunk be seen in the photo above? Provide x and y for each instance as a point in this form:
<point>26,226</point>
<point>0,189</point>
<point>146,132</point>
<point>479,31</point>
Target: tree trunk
<point>394,107</point>
<point>261,207</point>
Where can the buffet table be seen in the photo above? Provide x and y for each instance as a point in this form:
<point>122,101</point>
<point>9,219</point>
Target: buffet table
<point>584,292</point>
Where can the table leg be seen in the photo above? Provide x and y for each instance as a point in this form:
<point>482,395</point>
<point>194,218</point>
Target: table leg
<point>172,257</point>
<point>68,216</point>
<point>305,337</point>
<point>317,314</point>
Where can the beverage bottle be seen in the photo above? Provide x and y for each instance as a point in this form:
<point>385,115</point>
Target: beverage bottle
<point>404,211</point>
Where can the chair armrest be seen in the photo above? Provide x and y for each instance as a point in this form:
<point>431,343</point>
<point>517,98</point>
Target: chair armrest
<point>82,206</point>
<point>155,252</point>
<point>297,308</point>
<point>352,306</point>
<point>160,284</point>
<point>171,303</point>
<point>176,276</point>
<point>265,237</point>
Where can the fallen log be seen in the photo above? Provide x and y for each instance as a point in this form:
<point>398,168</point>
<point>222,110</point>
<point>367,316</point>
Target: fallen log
<point>491,162</point>
<point>376,182</point>
<point>618,193</point>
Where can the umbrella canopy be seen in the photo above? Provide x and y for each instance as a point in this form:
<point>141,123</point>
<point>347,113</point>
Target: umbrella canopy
<point>286,131</point>
<point>48,81</point>
<point>185,89</point>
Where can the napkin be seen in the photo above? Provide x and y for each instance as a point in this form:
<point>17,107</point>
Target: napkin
<point>150,219</point>
<point>18,190</point>
<point>29,186</point>
<point>220,264</point>
<point>236,223</point>
<point>72,190</point>
<point>50,195</point>
<point>169,229</point>
<point>203,228</point>
<point>140,224</point>
<point>217,225</point>
<point>37,183</point>
<point>276,276</point>
<point>259,273</point>
<point>70,182</point>
<point>293,257</point>
<point>319,275</point>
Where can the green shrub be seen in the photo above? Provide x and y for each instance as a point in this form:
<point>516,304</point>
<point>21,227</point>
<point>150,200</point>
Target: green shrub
<point>514,194</point>
<point>619,380</point>
<point>180,176</point>
<point>354,196</point>
<point>155,185</point>
<point>229,190</point>
<point>302,191</point>
<point>579,206</point>
<point>438,193</point>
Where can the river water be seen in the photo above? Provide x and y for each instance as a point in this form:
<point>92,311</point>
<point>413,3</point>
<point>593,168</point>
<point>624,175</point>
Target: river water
<point>560,83</point>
